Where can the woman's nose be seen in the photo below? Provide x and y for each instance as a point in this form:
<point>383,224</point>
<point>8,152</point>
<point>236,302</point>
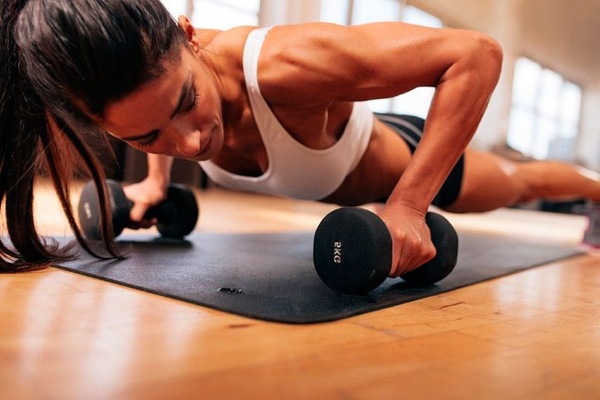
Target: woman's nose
<point>187,142</point>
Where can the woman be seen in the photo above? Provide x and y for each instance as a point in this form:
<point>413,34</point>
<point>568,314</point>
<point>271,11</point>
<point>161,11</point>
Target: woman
<point>275,110</point>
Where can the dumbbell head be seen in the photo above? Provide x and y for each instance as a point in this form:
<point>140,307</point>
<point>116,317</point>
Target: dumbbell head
<point>445,240</point>
<point>352,250</point>
<point>89,209</point>
<point>178,214</point>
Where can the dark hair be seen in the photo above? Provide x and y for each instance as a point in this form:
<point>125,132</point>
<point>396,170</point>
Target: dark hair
<point>62,63</point>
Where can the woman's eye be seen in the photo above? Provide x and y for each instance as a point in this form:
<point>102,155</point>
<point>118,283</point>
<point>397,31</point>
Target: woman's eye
<point>148,143</point>
<point>193,104</point>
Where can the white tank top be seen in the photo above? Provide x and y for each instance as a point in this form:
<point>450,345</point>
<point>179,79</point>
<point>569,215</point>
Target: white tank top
<point>294,170</point>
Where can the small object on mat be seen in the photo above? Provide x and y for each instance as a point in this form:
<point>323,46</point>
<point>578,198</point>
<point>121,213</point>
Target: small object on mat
<point>272,276</point>
<point>352,251</point>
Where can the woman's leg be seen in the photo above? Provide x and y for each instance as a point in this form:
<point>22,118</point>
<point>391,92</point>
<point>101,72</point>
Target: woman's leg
<point>491,182</point>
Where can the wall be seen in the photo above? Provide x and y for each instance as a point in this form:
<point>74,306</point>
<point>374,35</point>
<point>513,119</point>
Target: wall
<point>588,145</point>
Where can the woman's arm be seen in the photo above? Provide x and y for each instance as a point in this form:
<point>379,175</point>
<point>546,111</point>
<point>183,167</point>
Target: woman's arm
<point>463,67</point>
<point>149,191</point>
<point>324,63</point>
<point>334,63</point>
<point>159,169</point>
<point>468,65</point>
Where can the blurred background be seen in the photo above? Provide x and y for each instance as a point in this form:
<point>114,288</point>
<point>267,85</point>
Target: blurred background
<point>546,105</point>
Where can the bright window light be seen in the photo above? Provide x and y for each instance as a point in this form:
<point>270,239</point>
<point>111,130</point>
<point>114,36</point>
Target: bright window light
<point>366,11</point>
<point>176,7</point>
<point>335,11</point>
<point>216,14</point>
<point>225,14</point>
<point>545,112</point>
<point>414,15</point>
<point>415,102</point>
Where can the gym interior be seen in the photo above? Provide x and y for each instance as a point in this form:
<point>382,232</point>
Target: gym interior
<point>528,330</point>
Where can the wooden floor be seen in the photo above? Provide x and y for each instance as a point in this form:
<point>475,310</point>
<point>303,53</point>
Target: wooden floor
<point>532,335</point>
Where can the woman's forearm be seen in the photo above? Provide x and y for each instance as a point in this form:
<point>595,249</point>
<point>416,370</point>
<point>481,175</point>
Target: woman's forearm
<point>159,168</point>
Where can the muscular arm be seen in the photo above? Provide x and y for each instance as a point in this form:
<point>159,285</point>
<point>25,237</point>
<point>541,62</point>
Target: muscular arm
<point>384,60</point>
<point>335,63</point>
<point>464,68</point>
<point>461,96</point>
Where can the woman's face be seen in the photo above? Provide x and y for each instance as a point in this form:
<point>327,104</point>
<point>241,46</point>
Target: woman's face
<point>179,114</point>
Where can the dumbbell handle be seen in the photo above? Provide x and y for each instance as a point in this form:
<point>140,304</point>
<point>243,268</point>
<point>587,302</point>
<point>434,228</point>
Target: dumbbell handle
<point>162,211</point>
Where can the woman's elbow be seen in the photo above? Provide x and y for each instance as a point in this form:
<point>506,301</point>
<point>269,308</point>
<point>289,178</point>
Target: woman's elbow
<point>486,56</point>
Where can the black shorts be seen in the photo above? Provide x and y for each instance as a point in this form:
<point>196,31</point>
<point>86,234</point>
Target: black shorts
<point>410,128</point>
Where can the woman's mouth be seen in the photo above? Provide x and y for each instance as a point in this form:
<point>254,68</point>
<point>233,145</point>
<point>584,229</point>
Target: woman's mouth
<point>205,143</point>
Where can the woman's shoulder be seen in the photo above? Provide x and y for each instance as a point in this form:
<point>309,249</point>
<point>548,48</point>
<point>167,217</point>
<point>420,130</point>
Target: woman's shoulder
<point>302,64</point>
<point>306,64</point>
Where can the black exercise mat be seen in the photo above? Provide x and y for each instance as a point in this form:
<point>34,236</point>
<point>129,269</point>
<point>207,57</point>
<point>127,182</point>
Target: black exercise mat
<point>271,276</point>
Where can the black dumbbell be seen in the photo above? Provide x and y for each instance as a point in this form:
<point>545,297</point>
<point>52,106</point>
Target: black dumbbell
<point>352,251</point>
<point>176,215</point>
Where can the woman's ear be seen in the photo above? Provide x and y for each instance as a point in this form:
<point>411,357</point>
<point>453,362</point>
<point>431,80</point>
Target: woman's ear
<point>189,30</point>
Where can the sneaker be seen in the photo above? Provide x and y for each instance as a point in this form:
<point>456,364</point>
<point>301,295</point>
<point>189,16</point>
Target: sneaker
<point>591,236</point>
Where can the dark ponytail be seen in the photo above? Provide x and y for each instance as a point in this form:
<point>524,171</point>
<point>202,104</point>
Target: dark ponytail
<point>62,62</point>
<point>26,142</point>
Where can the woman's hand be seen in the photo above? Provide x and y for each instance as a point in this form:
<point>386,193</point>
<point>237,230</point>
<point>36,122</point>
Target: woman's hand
<point>144,195</point>
<point>411,238</point>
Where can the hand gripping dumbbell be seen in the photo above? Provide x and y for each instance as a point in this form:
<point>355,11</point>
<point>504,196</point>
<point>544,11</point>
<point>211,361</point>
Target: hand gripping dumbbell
<point>352,251</point>
<point>176,215</point>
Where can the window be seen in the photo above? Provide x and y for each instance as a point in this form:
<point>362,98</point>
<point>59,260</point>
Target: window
<point>544,117</point>
<point>216,14</point>
<point>336,11</point>
<point>353,12</point>
<point>225,14</point>
<point>176,7</point>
